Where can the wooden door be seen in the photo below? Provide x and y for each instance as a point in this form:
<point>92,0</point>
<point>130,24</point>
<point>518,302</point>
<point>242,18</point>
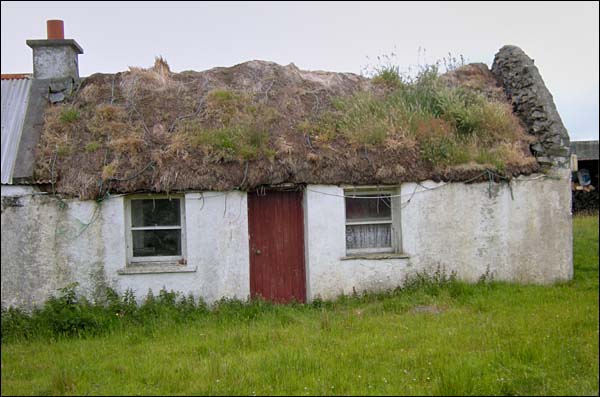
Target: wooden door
<point>276,234</point>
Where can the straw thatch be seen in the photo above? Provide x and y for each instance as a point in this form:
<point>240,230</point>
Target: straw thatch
<point>240,127</point>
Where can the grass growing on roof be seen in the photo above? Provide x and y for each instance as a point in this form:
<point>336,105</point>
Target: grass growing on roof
<point>69,115</point>
<point>261,123</point>
<point>92,146</point>
<point>438,336</point>
<point>235,127</point>
<point>451,125</point>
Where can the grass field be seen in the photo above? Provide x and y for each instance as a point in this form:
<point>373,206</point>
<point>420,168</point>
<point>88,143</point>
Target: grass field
<point>490,338</point>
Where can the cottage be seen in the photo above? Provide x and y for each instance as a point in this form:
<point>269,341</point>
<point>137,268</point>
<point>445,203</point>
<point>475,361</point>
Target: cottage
<point>267,180</point>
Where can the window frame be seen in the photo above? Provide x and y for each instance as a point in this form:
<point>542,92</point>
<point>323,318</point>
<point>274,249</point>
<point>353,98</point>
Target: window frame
<point>394,221</point>
<point>155,260</point>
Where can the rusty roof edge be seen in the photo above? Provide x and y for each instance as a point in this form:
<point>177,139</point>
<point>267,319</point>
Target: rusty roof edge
<point>16,76</point>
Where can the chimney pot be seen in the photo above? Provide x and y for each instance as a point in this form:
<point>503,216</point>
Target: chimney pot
<point>56,29</point>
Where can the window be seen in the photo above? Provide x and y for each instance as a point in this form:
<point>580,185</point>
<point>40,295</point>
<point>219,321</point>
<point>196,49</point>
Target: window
<point>371,222</point>
<point>156,229</point>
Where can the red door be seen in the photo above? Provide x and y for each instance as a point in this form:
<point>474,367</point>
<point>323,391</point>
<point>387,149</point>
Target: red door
<point>276,229</point>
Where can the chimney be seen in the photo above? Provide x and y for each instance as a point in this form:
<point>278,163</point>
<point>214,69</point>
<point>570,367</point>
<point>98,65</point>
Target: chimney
<point>55,57</point>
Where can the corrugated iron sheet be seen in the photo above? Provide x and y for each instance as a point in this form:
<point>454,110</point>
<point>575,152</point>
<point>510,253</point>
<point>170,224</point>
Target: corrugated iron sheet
<point>15,96</point>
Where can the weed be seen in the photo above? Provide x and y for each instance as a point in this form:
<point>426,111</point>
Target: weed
<point>450,124</point>
<point>69,115</point>
<point>64,150</point>
<point>242,142</point>
<point>388,76</point>
<point>109,170</point>
<point>92,146</point>
<point>233,128</point>
<point>430,282</point>
<point>69,314</point>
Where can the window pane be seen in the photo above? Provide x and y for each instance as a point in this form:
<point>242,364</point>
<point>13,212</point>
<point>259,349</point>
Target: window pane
<point>155,212</point>
<point>368,236</point>
<point>366,209</point>
<point>156,242</point>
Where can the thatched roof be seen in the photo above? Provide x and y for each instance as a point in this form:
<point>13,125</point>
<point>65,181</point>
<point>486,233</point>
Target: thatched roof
<point>260,123</point>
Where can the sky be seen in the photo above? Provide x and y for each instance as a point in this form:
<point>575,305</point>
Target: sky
<point>562,38</point>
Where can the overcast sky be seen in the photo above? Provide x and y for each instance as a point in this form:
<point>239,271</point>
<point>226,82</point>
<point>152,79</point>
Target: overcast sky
<point>336,36</point>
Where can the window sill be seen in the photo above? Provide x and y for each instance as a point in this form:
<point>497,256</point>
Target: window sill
<point>376,256</point>
<point>156,268</point>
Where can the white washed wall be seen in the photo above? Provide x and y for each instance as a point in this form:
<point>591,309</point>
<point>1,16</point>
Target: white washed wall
<point>526,237</point>
<point>328,275</point>
<point>45,248</point>
<point>456,227</point>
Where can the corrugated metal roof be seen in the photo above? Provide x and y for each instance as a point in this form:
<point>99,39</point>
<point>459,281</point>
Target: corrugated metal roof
<point>15,96</point>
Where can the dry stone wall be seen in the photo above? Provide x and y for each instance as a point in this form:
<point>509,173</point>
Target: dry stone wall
<point>534,104</point>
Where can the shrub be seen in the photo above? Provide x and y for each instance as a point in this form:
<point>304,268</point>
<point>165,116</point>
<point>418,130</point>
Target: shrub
<point>16,322</point>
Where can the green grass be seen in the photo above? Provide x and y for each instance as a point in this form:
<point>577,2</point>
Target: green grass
<point>235,128</point>
<point>489,338</point>
<point>69,115</point>
<point>93,146</point>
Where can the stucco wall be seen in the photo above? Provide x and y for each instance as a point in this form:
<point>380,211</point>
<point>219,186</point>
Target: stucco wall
<point>459,227</point>
<point>54,61</point>
<point>456,227</point>
<point>328,275</point>
<point>526,237</point>
<point>45,248</point>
